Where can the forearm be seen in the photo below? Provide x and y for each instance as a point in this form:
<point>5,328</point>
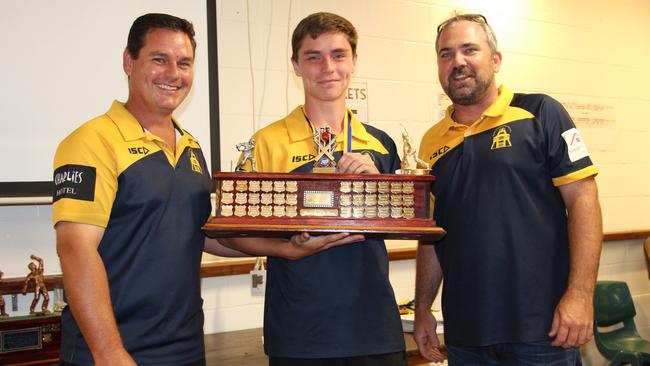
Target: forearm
<point>215,247</point>
<point>87,291</point>
<point>253,246</point>
<point>428,277</point>
<point>585,239</point>
<point>88,296</point>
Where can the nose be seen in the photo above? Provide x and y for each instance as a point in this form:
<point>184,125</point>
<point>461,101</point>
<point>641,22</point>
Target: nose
<point>173,70</point>
<point>458,59</point>
<point>328,64</point>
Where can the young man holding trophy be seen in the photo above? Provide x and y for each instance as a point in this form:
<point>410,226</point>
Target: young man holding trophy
<point>336,306</point>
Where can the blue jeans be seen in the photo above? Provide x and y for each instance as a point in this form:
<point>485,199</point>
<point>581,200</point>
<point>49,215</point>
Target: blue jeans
<point>527,353</point>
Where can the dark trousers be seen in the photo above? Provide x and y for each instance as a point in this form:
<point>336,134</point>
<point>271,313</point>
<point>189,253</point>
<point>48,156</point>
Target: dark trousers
<point>527,353</point>
<point>196,363</point>
<point>389,359</point>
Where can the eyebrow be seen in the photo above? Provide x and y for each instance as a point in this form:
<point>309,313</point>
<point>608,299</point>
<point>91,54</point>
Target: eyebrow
<point>166,55</point>
<point>464,45</point>
<point>317,52</point>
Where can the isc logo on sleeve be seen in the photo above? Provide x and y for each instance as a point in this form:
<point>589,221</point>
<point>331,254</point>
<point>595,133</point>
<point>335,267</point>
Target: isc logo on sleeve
<point>74,181</point>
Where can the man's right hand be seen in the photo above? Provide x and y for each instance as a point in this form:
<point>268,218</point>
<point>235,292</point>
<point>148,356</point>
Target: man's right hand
<point>426,337</point>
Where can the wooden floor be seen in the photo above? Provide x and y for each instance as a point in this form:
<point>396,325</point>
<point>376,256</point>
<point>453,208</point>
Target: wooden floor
<point>244,347</point>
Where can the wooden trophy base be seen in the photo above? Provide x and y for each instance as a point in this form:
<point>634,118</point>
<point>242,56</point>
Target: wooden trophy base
<point>30,339</point>
<point>388,206</point>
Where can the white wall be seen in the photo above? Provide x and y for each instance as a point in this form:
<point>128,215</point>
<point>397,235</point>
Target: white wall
<point>591,51</point>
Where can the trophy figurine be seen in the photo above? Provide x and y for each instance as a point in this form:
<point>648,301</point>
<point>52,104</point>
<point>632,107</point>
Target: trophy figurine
<point>325,145</point>
<point>36,275</point>
<point>247,154</point>
<point>411,164</point>
<point>2,301</point>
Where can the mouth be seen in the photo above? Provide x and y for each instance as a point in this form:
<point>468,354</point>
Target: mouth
<point>328,81</point>
<point>460,75</point>
<point>168,87</point>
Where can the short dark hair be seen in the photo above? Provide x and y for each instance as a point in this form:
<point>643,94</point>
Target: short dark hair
<point>318,23</point>
<point>145,23</point>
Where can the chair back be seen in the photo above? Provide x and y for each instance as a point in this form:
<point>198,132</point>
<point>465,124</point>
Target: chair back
<point>612,303</point>
<point>646,250</point>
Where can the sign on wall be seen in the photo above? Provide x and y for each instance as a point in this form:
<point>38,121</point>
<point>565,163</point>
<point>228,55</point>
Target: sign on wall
<point>357,100</point>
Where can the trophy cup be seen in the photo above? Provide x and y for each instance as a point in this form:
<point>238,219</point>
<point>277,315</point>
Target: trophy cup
<point>388,206</point>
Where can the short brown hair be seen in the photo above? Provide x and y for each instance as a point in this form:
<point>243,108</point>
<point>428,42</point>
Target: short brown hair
<point>318,23</point>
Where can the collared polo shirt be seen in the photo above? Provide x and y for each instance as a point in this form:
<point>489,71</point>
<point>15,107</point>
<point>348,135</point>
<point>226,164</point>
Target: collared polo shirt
<point>505,258</point>
<point>339,302</point>
<point>152,202</point>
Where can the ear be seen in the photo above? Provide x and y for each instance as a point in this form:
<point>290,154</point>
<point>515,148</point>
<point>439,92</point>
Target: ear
<point>496,61</point>
<point>127,62</point>
<point>296,68</point>
<point>354,63</point>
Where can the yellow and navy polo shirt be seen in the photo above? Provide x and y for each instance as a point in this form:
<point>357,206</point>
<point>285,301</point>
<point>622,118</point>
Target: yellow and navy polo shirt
<point>288,145</point>
<point>152,203</point>
<point>337,303</point>
<point>505,258</point>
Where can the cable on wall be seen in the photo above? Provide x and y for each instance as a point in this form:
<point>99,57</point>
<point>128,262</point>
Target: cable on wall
<point>258,116</point>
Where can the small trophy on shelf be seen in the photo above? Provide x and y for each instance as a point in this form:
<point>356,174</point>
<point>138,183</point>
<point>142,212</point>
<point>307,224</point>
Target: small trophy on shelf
<point>36,275</point>
<point>247,155</point>
<point>2,301</point>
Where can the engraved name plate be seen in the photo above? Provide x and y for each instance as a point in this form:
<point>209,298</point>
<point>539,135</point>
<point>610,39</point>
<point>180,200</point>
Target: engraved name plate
<point>318,199</point>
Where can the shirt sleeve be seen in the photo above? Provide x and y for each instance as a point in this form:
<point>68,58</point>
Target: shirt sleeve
<point>567,156</point>
<point>85,179</point>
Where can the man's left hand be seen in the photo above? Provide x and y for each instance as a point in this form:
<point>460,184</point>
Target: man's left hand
<point>356,163</point>
<point>573,320</point>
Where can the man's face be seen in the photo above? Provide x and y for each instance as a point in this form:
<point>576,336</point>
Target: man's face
<point>466,65</point>
<point>161,77</point>
<point>325,65</point>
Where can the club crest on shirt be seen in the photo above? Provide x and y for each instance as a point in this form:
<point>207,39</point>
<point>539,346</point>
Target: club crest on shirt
<point>501,138</point>
<point>194,163</point>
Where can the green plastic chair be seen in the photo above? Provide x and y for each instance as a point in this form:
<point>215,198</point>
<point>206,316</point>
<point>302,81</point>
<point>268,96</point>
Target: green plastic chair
<point>613,305</point>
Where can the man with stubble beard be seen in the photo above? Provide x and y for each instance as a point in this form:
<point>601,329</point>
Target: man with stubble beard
<point>515,191</point>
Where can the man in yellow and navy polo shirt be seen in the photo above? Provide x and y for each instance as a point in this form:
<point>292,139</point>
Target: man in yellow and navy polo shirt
<point>132,191</point>
<point>336,307</point>
<point>515,191</point>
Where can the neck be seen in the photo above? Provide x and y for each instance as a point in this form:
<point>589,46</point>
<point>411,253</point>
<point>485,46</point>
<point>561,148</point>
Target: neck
<point>326,114</point>
<point>147,118</point>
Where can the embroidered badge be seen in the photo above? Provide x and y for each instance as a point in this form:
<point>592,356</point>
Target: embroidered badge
<point>194,163</point>
<point>501,138</point>
<point>576,147</point>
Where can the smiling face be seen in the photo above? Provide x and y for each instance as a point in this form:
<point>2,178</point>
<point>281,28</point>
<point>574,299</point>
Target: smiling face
<point>466,65</point>
<point>325,65</point>
<point>162,75</point>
